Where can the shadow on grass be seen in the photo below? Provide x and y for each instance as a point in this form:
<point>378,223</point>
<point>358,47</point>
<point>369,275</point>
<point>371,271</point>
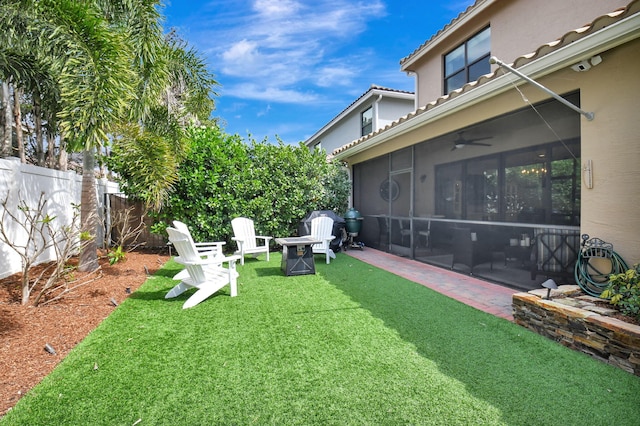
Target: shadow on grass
<point>157,286</point>
<point>268,272</point>
<point>519,372</point>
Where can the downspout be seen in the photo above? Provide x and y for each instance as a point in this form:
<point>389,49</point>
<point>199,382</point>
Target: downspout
<point>415,89</point>
<point>375,113</point>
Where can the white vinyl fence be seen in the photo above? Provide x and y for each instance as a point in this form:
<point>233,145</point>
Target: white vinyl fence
<point>24,182</point>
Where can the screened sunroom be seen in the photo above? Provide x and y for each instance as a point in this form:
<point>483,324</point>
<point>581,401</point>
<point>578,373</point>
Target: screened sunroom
<point>499,199</point>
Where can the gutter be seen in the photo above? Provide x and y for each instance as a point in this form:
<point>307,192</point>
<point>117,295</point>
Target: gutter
<point>614,35</point>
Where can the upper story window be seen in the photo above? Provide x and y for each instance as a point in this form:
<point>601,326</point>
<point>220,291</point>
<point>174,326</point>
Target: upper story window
<point>468,61</point>
<point>366,122</point>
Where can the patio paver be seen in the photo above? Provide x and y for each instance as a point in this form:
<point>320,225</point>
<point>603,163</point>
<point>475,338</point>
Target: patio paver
<point>485,296</point>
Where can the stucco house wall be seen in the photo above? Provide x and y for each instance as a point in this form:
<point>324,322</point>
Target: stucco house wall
<point>512,34</point>
<point>345,130</point>
<point>609,142</point>
<point>387,105</point>
<point>611,209</point>
<point>390,109</point>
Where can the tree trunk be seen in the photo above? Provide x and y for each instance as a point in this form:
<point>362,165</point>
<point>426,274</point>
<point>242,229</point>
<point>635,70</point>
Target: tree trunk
<point>88,214</point>
<point>62,156</point>
<point>6,143</point>
<point>37,120</point>
<point>51,151</point>
<point>17,119</point>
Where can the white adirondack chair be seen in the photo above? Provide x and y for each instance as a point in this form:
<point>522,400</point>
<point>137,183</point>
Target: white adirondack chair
<point>321,229</point>
<point>204,273</point>
<point>247,240</point>
<point>210,249</point>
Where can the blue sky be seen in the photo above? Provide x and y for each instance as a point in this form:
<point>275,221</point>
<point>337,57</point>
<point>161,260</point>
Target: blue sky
<point>287,67</point>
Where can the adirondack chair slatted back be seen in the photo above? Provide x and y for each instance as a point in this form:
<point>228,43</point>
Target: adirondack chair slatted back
<point>247,240</point>
<point>182,227</point>
<point>210,248</point>
<point>244,228</point>
<point>187,252</point>
<point>321,227</point>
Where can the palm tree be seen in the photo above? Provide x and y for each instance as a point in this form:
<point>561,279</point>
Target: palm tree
<point>91,63</point>
<point>110,67</point>
<point>149,174</point>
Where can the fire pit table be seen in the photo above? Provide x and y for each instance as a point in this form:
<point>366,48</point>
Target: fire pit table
<point>297,255</point>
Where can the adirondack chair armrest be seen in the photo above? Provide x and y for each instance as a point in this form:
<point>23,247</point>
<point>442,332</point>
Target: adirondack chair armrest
<point>210,249</point>
<point>262,237</point>
<point>205,246</point>
<point>208,260</point>
<point>221,259</point>
<point>233,258</point>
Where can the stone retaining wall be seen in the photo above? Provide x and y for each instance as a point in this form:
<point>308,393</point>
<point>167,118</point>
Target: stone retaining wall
<point>572,319</point>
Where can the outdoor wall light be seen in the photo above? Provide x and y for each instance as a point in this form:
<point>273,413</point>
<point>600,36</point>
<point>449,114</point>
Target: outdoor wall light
<point>588,174</point>
<point>549,285</point>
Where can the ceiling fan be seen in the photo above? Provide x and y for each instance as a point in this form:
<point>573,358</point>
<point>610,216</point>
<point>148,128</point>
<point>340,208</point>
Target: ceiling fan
<point>461,142</point>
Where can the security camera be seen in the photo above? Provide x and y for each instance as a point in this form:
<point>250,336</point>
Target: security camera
<point>581,66</point>
<point>587,64</point>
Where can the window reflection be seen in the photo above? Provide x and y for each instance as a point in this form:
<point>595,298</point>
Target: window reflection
<point>540,185</point>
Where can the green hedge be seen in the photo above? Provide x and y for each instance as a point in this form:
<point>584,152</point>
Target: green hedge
<point>276,185</point>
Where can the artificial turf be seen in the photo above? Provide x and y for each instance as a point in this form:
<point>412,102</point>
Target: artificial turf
<point>352,344</point>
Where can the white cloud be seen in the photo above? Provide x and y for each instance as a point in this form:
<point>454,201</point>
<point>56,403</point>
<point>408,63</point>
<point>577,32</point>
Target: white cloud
<point>276,7</point>
<point>332,76</point>
<point>242,50</point>
<point>264,111</point>
<point>278,45</point>
<point>269,93</point>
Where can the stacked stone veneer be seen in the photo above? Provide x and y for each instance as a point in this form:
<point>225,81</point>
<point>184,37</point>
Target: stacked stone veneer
<point>572,319</point>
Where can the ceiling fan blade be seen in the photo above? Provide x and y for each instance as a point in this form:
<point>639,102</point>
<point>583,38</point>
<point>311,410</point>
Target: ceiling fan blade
<point>478,139</point>
<point>460,141</point>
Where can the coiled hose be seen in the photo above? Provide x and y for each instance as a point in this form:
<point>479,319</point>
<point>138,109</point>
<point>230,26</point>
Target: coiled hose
<point>588,272</point>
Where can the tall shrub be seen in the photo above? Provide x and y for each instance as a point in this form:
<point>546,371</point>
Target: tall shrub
<point>276,185</point>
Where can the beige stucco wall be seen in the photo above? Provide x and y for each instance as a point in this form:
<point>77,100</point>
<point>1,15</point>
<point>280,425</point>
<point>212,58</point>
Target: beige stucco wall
<point>611,209</point>
<point>517,28</point>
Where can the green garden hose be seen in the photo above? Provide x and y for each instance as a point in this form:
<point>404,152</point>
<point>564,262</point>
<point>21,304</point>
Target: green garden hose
<point>588,273</point>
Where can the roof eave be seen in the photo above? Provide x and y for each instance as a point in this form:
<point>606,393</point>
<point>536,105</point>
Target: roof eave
<point>607,38</point>
<point>475,10</point>
<point>372,93</point>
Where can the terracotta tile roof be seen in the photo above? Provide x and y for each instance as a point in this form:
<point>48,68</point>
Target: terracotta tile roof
<point>369,90</point>
<point>568,38</point>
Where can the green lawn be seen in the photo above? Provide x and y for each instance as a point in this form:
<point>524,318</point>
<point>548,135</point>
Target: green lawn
<point>350,345</point>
